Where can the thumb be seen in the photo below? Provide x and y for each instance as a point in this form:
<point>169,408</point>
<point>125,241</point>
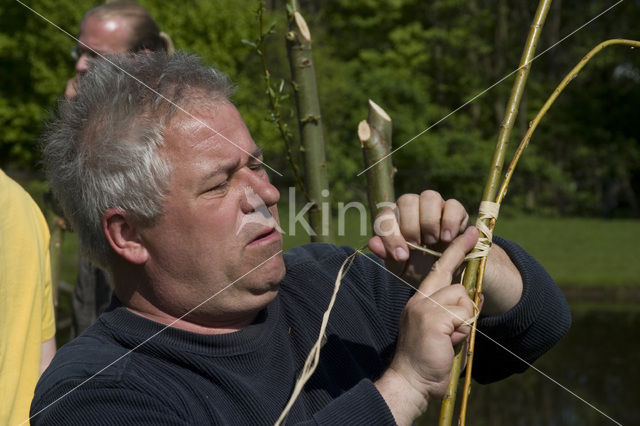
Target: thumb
<point>443,269</point>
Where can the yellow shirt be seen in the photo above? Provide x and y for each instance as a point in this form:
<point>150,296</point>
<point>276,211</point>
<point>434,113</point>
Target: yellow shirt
<point>26,307</point>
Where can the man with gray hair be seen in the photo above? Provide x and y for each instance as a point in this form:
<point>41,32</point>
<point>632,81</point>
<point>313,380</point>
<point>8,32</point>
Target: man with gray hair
<point>210,322</point>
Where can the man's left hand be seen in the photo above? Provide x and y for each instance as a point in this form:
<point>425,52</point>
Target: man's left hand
<point>425,219</point>
<point>429,220</point>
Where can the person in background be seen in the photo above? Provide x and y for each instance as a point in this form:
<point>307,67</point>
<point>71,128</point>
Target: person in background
<point>27,324</point>
<point>211,322</point>
<point>115,27</point>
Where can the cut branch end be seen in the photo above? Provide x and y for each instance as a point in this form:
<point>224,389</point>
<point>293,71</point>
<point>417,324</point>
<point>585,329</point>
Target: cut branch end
<point>382,113</point>
<point>302,26</point>
<point>364,131</point>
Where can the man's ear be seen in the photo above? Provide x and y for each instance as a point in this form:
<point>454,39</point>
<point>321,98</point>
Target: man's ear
<point>123,236</point>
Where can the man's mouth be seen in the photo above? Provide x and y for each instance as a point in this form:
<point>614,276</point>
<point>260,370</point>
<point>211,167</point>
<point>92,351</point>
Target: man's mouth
<point>265,236</point>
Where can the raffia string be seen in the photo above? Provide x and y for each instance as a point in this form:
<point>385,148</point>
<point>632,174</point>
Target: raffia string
<point>488,210</point>
<point>314,354</point>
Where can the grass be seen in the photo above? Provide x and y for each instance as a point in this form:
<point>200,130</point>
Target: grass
<point>580,252</point>
<point>352,235</point>
<point>576,252</point>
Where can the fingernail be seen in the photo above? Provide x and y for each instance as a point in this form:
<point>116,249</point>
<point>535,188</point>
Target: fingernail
<point>446,235</point>
<point>401,254</point>
<point>431,239</point>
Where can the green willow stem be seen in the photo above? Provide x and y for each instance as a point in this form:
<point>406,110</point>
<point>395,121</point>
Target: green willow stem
<point>375,141</point>
<point>563,84</point>
<point>471,274</point>
<point>466,390</point>
<point>509,173</point>
<point>285,134</point>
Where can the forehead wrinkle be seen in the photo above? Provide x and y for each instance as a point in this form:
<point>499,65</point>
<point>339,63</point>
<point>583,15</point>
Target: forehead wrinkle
<point>209,142</point>
<point>193,128</point>
<point>231,164</point>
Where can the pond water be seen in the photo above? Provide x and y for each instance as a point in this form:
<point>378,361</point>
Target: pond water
<point>599,360</point>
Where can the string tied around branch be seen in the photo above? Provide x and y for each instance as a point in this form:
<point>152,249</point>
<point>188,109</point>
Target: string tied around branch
<point>488,210</point>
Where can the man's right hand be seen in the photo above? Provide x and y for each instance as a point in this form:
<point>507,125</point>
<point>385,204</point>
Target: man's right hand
<point>72,87</point>
<point>431,324</point>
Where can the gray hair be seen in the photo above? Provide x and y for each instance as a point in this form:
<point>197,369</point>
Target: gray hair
<point>103,148</point>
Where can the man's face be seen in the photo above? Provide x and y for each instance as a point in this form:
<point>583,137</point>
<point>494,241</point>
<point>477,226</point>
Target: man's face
<point>219,223</point>
<point>108,35</point>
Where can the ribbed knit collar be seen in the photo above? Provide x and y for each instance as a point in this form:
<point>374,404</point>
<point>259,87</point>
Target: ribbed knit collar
<point>131,330</point>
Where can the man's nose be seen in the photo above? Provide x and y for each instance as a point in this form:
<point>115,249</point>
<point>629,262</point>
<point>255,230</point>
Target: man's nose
<point>260,193</point>
<point>82,65</point>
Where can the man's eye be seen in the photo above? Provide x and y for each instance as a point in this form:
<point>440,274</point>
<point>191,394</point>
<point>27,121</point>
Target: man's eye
<point>220,186</point>
<point>257,167</point>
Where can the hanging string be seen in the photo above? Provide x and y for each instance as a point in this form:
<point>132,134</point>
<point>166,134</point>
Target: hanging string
<point>314,354</point>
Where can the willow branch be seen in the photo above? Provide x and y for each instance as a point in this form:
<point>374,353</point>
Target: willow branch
<point>512,165</point>
<point>563,84</point>
<point>312,144</point>
<point>471,346</point>
<point>471,274</point>
<point>275,98</point>
<point>375,142</point>
<point>292,6</point>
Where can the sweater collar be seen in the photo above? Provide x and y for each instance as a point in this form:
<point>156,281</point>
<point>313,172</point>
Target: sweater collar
<point>134,331</point>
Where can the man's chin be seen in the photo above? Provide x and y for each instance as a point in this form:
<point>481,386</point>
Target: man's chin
<point>266,277</point>
<point>275,273</point>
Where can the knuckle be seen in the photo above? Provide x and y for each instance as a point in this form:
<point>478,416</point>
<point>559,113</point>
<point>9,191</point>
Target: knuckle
<point>459,288</point>
<point>439,269</point>
<point>406,200</point>
<point>454,203</point>
<point>431,195</point>
<point>388,210</point>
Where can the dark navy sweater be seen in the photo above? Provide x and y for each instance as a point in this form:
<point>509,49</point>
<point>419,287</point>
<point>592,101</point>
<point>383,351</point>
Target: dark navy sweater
<point>126,369</point>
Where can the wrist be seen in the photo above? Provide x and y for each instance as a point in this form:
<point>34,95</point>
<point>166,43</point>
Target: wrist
<point>503,284</point>
<point>405,402</point>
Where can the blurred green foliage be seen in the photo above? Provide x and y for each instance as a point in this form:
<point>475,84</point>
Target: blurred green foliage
<point>419,60</point>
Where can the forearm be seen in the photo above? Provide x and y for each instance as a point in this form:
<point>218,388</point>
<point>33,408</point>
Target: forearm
<point>362,404</point>
<point>539,319</point>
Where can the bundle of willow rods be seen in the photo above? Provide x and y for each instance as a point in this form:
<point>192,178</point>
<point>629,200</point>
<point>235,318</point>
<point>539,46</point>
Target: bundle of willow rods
<point>509,173</point>
<point>475,267</point>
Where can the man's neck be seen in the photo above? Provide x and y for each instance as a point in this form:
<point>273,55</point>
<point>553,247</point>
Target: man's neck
<point>221,327</point>
<point>133,290</point>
